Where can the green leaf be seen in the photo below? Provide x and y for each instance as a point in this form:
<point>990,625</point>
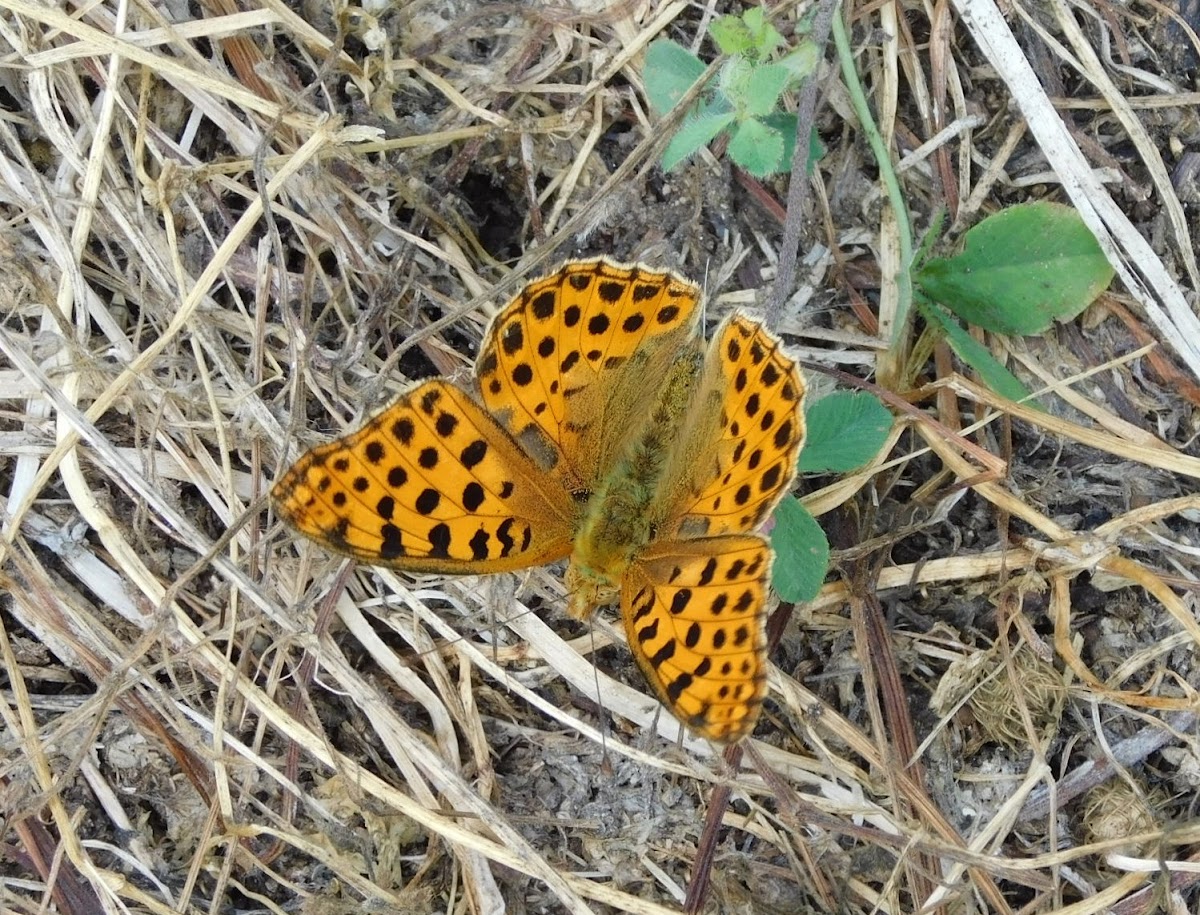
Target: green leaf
<point>765,84</point>
<point>695,132</point>
<point>732,78</point>
<point>670,71</point>
<point>748,35</point>
<point>931,236</point>
<point>757,148</point>
<point>976,355</point>
<point>845,430</point>
<point>1020,270</point>
<point>802,62</point>
<point>731,35</point>
<point>801,552</point>
<point>765,38</point>
<point>783,125</point>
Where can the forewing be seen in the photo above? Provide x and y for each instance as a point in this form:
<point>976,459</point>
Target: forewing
<point>569,364</point>
<point>430,484</point>
<point>694,613</point>
<point>737,454</point>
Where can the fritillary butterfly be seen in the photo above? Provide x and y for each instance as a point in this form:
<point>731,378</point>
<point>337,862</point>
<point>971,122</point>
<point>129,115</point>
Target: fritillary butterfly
<point>605,430</point>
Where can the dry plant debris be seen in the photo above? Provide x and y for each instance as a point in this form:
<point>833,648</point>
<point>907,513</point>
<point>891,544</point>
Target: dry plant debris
<point>231,231</point>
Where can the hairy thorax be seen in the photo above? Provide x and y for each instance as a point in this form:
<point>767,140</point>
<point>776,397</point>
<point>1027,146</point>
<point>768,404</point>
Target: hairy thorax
<point>621,517</point>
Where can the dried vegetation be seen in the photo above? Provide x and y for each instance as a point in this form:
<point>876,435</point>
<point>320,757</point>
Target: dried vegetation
<point>230,232</point>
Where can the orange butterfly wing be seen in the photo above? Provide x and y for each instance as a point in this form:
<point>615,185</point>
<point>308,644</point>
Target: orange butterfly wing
<point>694,603</point>
<point>570,364</point>
<point>693,614</point>
<point>743,440</point>
<point>431,484</point>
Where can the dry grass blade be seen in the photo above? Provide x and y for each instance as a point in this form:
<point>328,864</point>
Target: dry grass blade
<point>231,230</point>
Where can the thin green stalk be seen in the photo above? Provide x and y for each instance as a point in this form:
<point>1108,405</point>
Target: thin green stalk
<point>887,174</point>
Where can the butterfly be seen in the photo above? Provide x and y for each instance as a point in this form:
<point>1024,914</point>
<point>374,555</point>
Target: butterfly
<point>599,428</point>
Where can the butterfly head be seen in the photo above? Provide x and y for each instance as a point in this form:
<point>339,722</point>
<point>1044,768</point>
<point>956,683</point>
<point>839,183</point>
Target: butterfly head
<point>589,588</point>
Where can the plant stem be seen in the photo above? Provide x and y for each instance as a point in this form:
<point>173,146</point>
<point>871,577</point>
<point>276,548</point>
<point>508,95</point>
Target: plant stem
<point>887,175</point>
<point>797,203</point>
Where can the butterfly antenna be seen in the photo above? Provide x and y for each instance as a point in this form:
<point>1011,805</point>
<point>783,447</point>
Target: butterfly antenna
<point>599,700</point>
